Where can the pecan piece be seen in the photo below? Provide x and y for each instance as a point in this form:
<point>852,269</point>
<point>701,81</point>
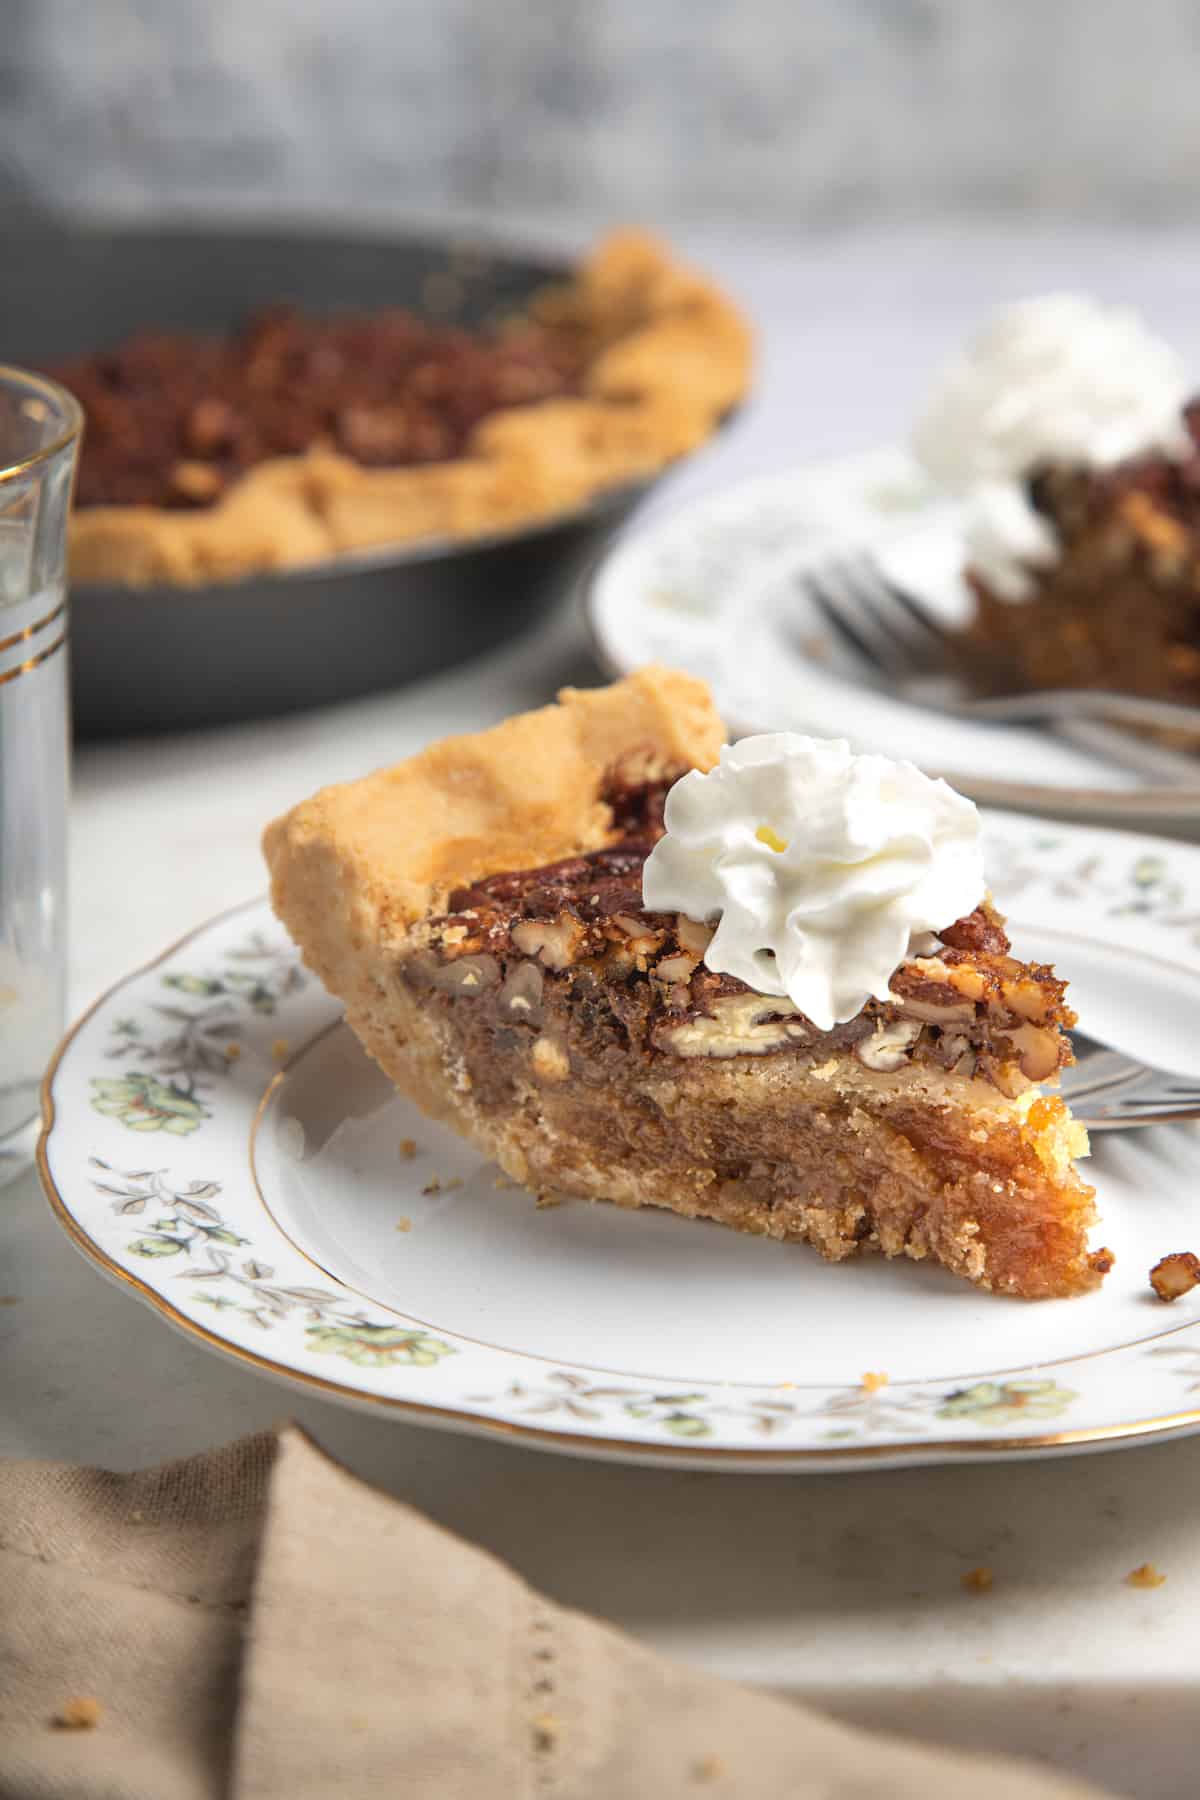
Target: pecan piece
<point>1175,1275</point>
<point>196,482</point>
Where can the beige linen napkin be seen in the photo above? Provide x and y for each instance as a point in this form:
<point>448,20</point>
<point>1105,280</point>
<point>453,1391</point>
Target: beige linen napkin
<point>258,1623</point>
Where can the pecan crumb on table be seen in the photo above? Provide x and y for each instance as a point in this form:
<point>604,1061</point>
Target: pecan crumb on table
<point>547,1729</point>
<point>1145,1576</point>
<point>81,1713</point>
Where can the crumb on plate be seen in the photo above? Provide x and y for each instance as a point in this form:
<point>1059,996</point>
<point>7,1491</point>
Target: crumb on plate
<point>279,1049</point>
<point>873,1380</point>
<point>404,1223</point>
<point>408,1148</point>
<point>232,1051</point>
<point>708,1768</point>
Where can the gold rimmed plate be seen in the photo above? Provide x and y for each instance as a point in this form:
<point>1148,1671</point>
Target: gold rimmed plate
<point>216,1141</point>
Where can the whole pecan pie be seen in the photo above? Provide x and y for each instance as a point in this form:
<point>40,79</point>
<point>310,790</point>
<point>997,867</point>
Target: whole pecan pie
<point>479,910</point>
<point>295,438</point>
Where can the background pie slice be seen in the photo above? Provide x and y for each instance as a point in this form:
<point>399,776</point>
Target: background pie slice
<point>479,911</point>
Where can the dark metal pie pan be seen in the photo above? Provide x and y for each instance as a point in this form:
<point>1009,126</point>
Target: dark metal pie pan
<point>163,658</point>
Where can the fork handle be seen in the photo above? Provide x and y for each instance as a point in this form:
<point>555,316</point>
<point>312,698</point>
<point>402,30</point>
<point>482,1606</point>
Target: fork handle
<point>1170,768</point>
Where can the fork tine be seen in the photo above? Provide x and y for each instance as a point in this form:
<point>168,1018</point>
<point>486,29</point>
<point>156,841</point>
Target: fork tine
<point>836,615</point>
<point>1160,1103</point>
<point>911,650</point>
<point>863,619</point>
<point>1116,1115</point>
<point>915,609</point>
<point>1078,1085</point>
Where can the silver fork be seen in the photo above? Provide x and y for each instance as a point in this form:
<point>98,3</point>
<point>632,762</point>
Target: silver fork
<point>902,645</point>
<point>1108,1091</point>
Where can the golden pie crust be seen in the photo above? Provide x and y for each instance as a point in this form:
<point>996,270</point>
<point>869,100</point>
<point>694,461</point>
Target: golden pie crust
<point>528,1040</point>
<point>672,356</point>
<point>358,864</point>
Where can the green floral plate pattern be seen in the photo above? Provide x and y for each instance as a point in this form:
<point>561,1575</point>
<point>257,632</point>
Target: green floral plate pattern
<point>154,1099</point>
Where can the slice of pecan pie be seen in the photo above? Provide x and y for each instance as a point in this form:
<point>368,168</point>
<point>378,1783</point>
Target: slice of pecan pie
<point>479,909</point>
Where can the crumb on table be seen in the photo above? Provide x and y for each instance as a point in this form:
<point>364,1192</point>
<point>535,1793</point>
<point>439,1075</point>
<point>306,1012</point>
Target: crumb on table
<point>547,1729</point>
<point>708,1768</point>
<point>1145,1576</point>
<point>404,1223</point>
<point>81,1713</point>
<point>1175,1275</point>
<point>977,1581</point>
<point>873,1380</point>
<point>408,1148</point>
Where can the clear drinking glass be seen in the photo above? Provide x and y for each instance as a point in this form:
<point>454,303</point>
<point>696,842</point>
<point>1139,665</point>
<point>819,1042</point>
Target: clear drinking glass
<point>40,428</point>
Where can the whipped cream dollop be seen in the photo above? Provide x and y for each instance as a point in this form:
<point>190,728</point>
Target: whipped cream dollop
<point>822,869</point>
<point>1057,379</point>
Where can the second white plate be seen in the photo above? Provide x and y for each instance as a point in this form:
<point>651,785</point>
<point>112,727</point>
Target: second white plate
<point>713,588</point>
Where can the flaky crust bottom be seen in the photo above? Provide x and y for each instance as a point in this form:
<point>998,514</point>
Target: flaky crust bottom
<point>675,357</point>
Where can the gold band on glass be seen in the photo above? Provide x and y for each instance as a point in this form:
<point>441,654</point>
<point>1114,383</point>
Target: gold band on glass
<point>33,661</point>
<point>19,637</point>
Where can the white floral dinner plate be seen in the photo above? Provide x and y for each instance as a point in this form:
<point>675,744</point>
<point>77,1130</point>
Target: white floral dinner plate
<point>714,587</point>
<point>216,1141</point>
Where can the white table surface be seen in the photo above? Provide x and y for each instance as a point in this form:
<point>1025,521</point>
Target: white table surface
<point>843,1590</point>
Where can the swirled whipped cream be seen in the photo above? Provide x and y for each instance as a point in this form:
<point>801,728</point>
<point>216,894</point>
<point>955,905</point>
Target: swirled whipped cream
<point>1060,379</point>
<point>822,869</point>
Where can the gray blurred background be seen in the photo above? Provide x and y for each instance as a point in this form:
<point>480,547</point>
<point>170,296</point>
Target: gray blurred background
<point>766,114</point>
